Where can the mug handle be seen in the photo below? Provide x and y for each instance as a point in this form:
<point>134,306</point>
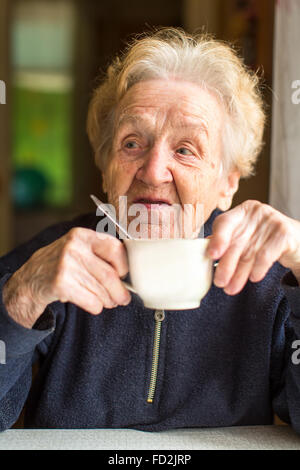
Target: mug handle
<point>129,287</point>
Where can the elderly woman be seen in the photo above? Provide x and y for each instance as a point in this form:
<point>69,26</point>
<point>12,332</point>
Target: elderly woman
<point>176,120</point>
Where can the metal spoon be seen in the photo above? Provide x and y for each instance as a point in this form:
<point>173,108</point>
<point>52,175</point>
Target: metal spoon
<point>103,207</point>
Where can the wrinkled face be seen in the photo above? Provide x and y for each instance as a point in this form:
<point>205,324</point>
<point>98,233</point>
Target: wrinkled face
<point>166,154</point>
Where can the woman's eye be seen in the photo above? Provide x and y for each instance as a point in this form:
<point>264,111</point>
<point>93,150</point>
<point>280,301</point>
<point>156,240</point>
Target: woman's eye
<point>184,151</point>
<point>131,144</point>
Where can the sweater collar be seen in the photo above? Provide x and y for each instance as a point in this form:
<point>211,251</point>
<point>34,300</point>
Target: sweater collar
<point>209,223</point>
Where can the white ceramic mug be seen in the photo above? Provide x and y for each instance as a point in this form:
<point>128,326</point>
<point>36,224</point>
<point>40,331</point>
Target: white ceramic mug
<point>169,274</point>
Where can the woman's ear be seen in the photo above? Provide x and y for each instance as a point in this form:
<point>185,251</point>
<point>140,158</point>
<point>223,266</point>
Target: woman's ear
<point>230,187</point>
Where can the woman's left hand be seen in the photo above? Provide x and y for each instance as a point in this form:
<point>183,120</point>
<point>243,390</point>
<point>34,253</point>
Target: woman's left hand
<point>248,239</point>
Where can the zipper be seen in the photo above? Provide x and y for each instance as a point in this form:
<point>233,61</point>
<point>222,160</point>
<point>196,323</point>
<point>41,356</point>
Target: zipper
<point>159,316</point>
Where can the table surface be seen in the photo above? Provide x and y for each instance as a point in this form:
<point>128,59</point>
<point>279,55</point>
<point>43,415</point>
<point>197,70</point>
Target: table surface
<point>245,437</point>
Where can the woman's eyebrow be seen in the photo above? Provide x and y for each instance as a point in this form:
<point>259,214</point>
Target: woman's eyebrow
<point>194,124</point>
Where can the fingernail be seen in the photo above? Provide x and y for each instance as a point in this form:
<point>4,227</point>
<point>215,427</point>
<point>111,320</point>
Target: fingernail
<point>219,281</point>
<point>230,291</point>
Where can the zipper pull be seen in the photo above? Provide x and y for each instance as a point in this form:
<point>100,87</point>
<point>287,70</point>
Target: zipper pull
<point>159,315</point>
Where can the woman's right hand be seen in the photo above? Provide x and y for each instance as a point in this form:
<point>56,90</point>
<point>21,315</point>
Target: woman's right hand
<point>83,267</point>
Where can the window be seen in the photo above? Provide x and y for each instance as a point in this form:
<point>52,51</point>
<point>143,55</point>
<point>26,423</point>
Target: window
<point>42,59</point>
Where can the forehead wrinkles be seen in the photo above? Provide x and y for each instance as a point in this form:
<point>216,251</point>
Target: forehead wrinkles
<point>160,118</point>
<point>185,100</point>
<point>149,119</point>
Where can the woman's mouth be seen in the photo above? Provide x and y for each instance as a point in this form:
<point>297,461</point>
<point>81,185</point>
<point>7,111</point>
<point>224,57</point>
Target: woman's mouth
<point>151,203</point>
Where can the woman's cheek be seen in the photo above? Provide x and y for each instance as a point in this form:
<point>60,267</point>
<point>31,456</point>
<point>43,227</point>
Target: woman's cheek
<point>119,177</point>
<point>195,188</point>
<point>190,185</point>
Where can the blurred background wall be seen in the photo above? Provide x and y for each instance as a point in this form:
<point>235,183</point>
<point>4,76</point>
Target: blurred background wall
<point>51,52</point>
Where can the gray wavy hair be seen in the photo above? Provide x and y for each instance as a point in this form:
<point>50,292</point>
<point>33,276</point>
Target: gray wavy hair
<point>200,59</point>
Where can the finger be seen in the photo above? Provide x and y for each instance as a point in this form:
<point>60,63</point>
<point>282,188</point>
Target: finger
<point>84,271</point>
<point>244,266</point>
<point>84,299</point>
<point>240,277</point>
<point>103,245</point>
<point>81,254</point>
<point>112,251</point>
<point>89,282</point>
<point>267,255</point>
<point>79,268</point>
<point>223,229</point>
<point>228,264</point>
<point>249,236</point>
<point>110,280</point>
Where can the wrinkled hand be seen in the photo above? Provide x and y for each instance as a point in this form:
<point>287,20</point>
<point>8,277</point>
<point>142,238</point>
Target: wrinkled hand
<point>83,267</point>
<point>247,240</point>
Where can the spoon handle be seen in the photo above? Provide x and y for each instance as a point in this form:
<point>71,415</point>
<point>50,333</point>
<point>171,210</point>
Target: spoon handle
<point>129,287</point>
<point>103,207</point>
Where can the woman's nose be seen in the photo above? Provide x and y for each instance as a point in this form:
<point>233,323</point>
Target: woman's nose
<point>156,168</point>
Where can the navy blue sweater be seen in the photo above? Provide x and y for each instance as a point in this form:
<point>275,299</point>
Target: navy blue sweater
<point>226,363</point>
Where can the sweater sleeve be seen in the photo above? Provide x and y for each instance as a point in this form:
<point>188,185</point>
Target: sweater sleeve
<point>285,371</point>
<point>18,345</point>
